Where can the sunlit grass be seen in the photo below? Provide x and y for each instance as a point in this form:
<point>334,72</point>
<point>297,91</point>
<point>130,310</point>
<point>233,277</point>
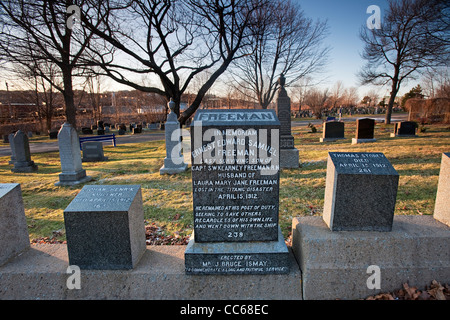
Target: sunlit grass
<point>167,200</point>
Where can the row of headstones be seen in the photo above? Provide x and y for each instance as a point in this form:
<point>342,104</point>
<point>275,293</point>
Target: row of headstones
<point>105,224</point>
<point>69,152</point>
<point>122,128</point>
<point>334,130</point>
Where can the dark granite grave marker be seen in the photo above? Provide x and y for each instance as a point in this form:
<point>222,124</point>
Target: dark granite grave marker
<point>332,131</point>
<point>360,192</point>
<point>105,227</point>
<point>364,131</point>
<point>235,179</point>
<point>404,129</point>
<point>93,151</point>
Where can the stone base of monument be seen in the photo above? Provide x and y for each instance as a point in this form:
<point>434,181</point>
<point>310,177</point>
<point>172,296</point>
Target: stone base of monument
<point>170,168</point>
<point>289,158</point>
<point>71,179</point>
<point>24,166</point>
<point>394,135</point>
<point>356,141</point>
<point>335,265</point>
<point>234,258</point>
<point>42,273</point>
<point>330,139</point>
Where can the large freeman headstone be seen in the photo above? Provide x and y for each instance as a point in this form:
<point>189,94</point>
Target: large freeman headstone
<point>360,192</point>
<point>442,208</point>
<point>235,180</point>
<point>69,153</point>
<point>105,227</point>
<point>14,236</point>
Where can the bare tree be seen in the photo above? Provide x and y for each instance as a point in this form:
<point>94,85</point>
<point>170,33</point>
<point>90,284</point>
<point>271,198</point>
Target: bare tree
<point>414,35</point>
<point>286,42</point>
<point>174,40</point>
<point>317,100</point>
<point>38,30</point>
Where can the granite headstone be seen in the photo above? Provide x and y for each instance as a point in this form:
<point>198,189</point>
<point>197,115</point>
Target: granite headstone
<point>332,131</point>
<point>23,162</point>
<point>404,129</point>
<point>364,131</point>
<point>360,192</point>
<point>105,227</point>
<point>174,160</point>
<point>289,155</point>
<point>235,179</point>
<point>93,151</point>
<point>69,153</point>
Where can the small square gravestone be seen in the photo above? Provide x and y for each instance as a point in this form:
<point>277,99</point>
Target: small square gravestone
<point>105,227</point>
<point>442,208</point>
<point>360,192</point>
<point>404,129</point>
<point>14,236</point>
<point>364,131</point>
<point>93,151</point>
<point>332,131</point>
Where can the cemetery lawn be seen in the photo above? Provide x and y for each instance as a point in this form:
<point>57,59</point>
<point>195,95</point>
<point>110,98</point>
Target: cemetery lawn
<point>167,199</point>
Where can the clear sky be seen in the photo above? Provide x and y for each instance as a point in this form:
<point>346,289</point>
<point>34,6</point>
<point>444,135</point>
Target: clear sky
<point>345,18</point>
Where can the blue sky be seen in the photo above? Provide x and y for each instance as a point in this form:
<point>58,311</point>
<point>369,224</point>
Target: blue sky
<point>345,19</point>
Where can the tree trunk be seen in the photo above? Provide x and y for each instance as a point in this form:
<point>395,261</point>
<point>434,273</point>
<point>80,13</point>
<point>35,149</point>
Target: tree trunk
<point>387,119</point>
<point>71,110</point>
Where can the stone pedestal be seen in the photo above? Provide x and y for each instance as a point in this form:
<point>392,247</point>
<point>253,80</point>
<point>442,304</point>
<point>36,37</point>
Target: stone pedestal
<point>14,236</point>
<point>335,265</point>
<point>69,153</point>
<point>174,161</point>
